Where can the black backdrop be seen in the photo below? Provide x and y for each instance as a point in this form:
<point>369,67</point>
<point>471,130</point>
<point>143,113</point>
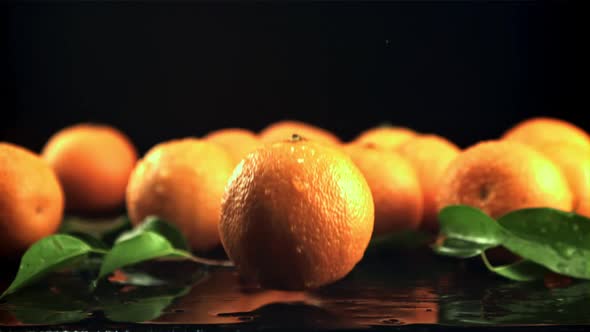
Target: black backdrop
<point>158,70</point>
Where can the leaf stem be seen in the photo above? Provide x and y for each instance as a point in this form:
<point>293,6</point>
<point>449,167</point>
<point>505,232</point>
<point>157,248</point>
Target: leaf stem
<point>487,262</point>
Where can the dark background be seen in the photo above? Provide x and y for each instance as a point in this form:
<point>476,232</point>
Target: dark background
<point>159,70</point>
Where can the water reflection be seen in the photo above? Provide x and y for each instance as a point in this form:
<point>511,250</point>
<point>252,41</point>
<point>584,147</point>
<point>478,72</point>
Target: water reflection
<point>384,290</point>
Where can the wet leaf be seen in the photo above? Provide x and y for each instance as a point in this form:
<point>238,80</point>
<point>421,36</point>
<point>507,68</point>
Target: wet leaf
<point>139,247</point>
<point>459,248</point>
<point>466,232</point>
<point>47,255</point>
<point>469,224</point>
<point>555,239</point>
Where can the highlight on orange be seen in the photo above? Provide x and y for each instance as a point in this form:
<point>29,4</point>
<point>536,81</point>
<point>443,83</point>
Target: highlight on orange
<point>93,163</point>
<point>502,176</point>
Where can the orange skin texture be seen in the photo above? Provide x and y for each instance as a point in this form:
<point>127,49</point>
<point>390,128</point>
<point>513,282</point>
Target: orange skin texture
<point>429,155</point>
<point>296,215</point>
<point>283,130</point>
<point>574,163</point>
<point>182,181</point>
<point>31,199</point>
<point>237,142</point>
<point>501,176</point>
<point>93,163</point>
<point>386,137</point>
<point>394,185</point>
<point>541,131</point>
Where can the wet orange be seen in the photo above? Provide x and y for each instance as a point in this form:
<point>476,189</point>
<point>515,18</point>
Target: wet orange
<point>237,142</point>
<point>283,130</point>
<point>296,214</point>
<point>501,176</point>
<point>394,186</point>
<point>93,163</point>
<point>385,137</point>
<point>540,131</point>
<point>182,181</point>
<point>31,199</point>
<point>429,155</point>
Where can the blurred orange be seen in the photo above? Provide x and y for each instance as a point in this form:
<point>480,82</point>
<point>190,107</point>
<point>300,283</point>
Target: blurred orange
<point>237,142</point>
<point>283,130</point>
<point>385,137</point>
<point>31,199</point>
<point>93,163</point>
<point>541,131</point>
<point>574,163</point>
<point>429,155</point>
<point>501,176</point>
<point>394,186</point>
<point>182,181</point>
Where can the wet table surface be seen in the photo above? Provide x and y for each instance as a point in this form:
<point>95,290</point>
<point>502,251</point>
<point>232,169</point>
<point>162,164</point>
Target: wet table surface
<point>393,290</point>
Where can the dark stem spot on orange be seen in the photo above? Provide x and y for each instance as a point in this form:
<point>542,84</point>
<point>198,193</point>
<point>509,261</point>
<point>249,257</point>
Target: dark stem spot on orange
<point>296,137</point>
<point>484,192</point>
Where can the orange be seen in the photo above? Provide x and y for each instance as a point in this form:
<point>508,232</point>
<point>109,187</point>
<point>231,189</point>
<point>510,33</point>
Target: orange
<point>538,132</point>
<point>501,176</point>
<point>394,186</point>
<point>283,130</point>
<point>430,155</point>
<point>237,142</point>
<point>385,137</point>
<point>574,163</point>
<point>31,199</point>
<point>296,214</point>
<point>182,182</point>
<point>93,163</point>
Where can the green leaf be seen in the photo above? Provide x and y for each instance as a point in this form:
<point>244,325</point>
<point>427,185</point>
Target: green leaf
<point>459,248</point>
<point>523,270</point>
<point>154,224</point>
<point>467,223</point>
<point>139,248</point>
<point>47,255</point>
<point>466,232</point>
<point>555,239</point>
